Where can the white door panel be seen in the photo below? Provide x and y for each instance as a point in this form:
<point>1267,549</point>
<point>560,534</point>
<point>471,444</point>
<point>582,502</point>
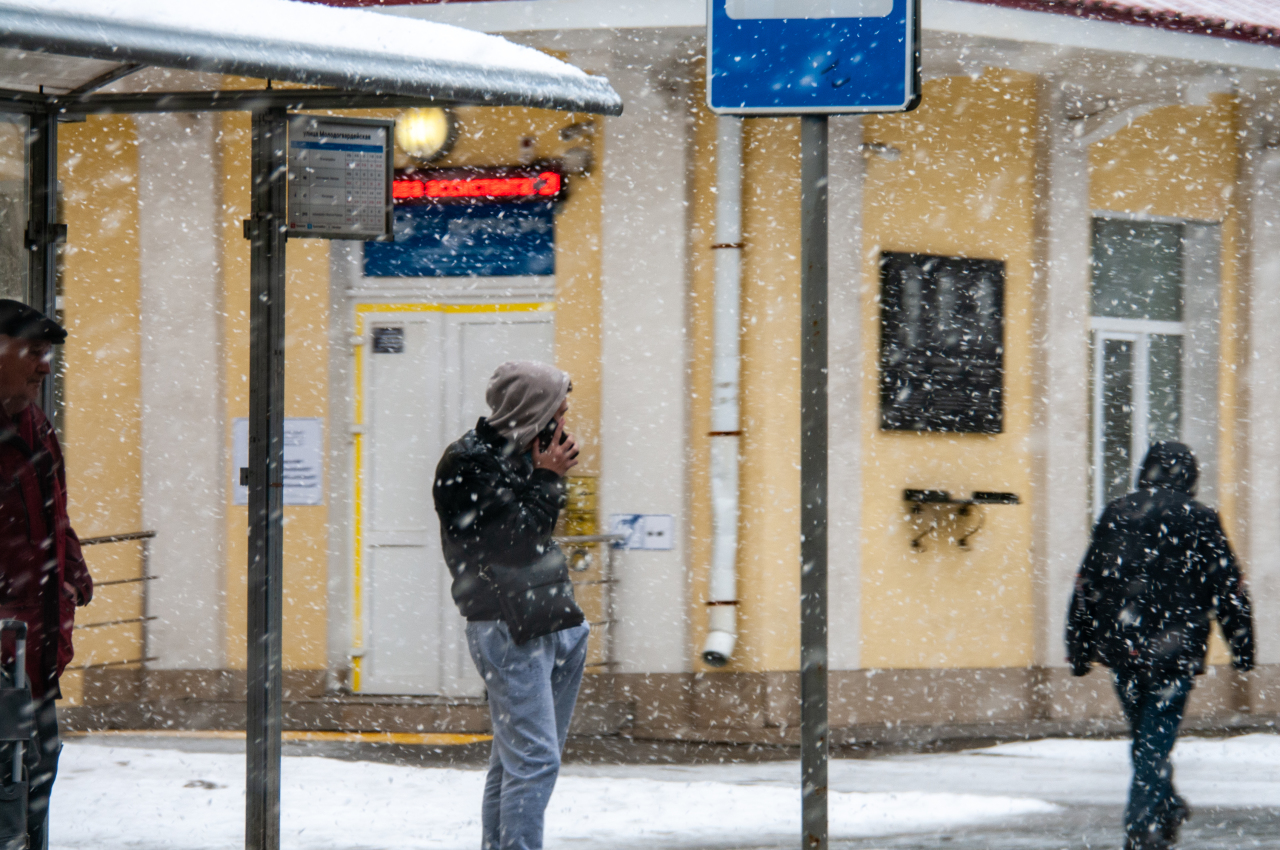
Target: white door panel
<point>405,395</point>
<point>419,400</point>
<point>402,586</point>
<point>399,538</point>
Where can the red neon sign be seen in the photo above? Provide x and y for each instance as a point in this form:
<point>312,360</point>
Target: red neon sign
<point>546,184</point>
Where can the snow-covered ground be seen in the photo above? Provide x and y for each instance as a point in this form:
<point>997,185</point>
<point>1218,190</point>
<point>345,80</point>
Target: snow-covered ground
<point>1231,772</point>
<point>110,796</point>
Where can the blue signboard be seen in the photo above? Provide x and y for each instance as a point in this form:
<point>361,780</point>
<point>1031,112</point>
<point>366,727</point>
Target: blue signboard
<point>479,240</point>
<point>812,56</point>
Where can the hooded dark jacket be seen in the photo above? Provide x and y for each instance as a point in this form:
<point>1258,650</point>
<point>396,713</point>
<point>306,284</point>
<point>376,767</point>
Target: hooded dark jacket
<point>495,508</point>
<point>1158,567</point>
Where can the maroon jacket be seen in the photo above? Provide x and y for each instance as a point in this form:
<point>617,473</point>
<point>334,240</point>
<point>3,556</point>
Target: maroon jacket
<point>38,549</point>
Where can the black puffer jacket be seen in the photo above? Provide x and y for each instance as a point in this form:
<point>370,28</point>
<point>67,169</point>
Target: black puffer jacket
<point>1158,567</point>
<point>495,508</point>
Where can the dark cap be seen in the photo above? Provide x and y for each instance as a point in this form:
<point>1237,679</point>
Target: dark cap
<point>22,322</point>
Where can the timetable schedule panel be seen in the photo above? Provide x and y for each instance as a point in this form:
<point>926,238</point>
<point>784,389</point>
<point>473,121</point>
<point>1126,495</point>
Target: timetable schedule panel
<point>339,178</point>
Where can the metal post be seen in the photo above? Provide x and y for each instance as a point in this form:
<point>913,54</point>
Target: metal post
<point>42,231</point>
<point>813,481</point>
<point>266,231</point>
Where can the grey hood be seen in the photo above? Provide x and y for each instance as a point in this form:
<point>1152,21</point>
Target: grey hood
<point>523,396</point>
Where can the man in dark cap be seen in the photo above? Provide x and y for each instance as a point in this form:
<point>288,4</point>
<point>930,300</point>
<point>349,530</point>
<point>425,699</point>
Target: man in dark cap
<point>1158,568</point>
<point>43,576</point>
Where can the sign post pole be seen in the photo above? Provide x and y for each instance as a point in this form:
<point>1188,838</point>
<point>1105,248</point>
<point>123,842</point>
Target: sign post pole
<point>814,726</point>
<point>813,58</point>
<point>332,161</point>
<point>267,238</point>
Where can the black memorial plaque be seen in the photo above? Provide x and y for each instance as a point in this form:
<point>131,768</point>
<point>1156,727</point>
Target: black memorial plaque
<point>941,344</point>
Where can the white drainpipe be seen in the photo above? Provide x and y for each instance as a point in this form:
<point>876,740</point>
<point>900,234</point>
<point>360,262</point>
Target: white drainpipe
<point>722,600</point>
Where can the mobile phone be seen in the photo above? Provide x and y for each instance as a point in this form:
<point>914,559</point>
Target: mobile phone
<point>547,434</point>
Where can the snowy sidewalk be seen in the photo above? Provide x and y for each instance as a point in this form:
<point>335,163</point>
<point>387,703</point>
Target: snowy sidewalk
<point>111,796</point>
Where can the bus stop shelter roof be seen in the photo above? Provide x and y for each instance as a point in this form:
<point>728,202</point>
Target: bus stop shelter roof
<point>65,49</point>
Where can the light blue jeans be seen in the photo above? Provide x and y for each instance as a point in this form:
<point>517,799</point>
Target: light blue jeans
<point>532,690</point>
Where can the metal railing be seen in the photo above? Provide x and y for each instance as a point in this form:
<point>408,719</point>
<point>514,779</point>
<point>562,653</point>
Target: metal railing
<point>596,553</point>
<point>145,538</point>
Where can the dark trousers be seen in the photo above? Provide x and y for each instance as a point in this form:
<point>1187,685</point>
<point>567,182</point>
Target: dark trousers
<point>42,768</point>
<point>40,757</point>
<point>1153,704</point>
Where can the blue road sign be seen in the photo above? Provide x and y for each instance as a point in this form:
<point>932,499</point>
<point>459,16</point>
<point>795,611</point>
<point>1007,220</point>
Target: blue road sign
<point>812,56</point>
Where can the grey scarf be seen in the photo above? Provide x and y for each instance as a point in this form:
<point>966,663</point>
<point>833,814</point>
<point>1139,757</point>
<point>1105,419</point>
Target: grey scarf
<point>524,395</point>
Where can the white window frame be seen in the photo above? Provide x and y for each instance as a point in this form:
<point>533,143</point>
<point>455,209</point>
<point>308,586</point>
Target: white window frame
<point>1139,332</point>
<point>1202,244</point>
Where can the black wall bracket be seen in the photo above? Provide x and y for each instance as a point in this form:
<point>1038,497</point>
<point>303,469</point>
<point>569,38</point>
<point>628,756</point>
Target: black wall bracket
<point>953,510</point>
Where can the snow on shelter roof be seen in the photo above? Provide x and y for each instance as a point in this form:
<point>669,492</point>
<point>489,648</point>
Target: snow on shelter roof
<point>288,41</point>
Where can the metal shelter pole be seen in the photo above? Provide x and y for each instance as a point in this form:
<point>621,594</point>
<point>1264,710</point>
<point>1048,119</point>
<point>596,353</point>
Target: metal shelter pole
<point>813,481</point>
<point>43,232</point>
<point>267,235</point>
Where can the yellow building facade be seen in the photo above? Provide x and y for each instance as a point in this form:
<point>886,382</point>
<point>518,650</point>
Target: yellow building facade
<point>943,614</point>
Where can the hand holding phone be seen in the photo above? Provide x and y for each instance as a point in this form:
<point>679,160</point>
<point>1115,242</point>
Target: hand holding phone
<point>555,449</point>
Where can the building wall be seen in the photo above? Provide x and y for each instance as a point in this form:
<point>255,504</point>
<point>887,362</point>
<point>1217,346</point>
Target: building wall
<point>489,136</point>
<point>963,185</point>
<point>1182,162</point>
<point>180,303</point>
<point>485,136</point>
<point>935,634</point>
<point>13,213</point>
<point>644,400</point>
<point>102,361</point>
<point>768,556</point>
<point>702,228</point>
<point>769,525</point>
<point>1261,502</point>
<point>306,394</point>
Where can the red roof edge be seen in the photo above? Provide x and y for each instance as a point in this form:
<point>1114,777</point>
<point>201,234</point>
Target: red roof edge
<point>1100,10</point>
<point>1094,10</point>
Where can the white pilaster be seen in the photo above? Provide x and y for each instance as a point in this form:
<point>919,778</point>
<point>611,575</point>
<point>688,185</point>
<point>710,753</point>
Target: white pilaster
<point>1060,501</point>
<point>845,381</point>
<point>182,388</point>
<point>644,404</point>
<point>1261,547</point>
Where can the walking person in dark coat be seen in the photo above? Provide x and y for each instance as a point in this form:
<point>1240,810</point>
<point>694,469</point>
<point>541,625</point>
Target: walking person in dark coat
<point>1158,568</point>
<point>498,492</point>
<point>43,576</point>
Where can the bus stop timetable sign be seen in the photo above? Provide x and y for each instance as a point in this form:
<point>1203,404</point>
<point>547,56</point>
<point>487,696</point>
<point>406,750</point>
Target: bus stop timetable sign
<point>792,57</point>
<point>340,173</point>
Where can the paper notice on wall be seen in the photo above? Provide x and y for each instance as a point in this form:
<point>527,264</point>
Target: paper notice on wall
<point>643,531</point>
<point>303,460</point>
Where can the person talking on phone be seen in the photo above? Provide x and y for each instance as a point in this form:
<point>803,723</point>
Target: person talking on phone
<point>498,492</point>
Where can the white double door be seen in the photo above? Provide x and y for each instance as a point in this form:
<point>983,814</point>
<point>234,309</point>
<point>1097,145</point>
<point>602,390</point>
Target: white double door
<point>423,376</point>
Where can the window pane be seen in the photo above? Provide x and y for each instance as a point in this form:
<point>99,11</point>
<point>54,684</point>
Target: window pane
<point>1137,269</point>
<point>1164,388</point>
<point>1117,417</point>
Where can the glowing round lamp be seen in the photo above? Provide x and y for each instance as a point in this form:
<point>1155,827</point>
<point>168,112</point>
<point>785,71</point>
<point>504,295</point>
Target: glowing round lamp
<point>426,133</point>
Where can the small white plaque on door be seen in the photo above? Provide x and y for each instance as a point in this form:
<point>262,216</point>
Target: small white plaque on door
<point>643,531</point>
<point>303,460</point>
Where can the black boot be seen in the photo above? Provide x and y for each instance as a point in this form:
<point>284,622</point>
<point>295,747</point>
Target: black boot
<point>1177,814</point>
<point>1150,840</point>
